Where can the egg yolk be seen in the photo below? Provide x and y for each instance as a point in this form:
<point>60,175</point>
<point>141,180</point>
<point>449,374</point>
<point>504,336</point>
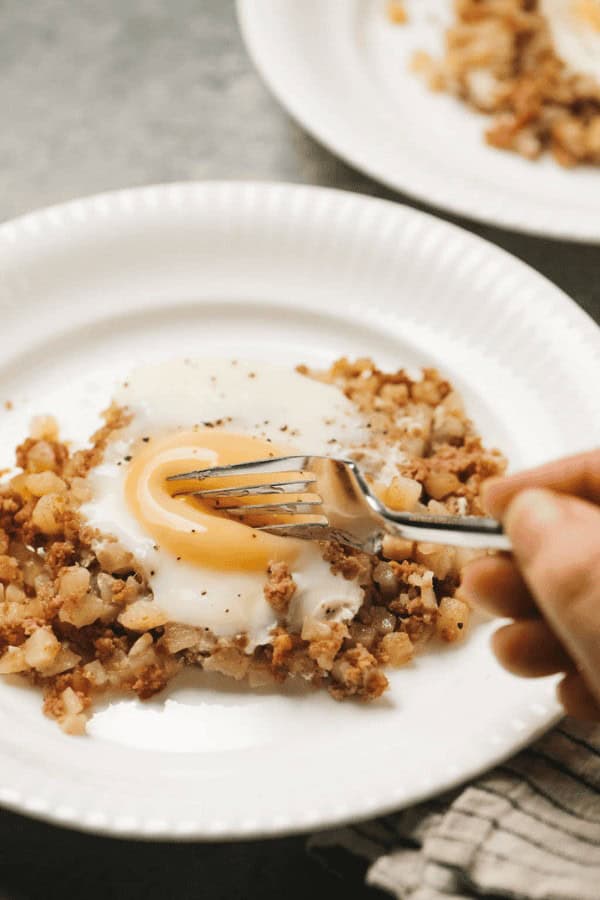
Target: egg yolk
<point>589,12</point>
<point>187,527</point>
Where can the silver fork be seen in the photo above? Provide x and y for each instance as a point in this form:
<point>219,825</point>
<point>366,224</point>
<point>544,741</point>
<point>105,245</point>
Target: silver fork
<point>334,502</point>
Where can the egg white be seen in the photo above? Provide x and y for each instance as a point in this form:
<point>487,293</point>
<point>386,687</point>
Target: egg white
<point>576,40</point>
<point>250,398</point>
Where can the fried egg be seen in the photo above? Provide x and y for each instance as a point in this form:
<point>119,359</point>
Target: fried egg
<point>575,27</point>
<point>206,569</point>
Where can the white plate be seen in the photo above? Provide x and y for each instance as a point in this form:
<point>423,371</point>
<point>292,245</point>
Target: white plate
<point>342,70</point>
<point>287,273</point>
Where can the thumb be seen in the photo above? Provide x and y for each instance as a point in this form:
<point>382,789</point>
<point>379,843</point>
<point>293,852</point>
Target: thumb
<point>556,541</point>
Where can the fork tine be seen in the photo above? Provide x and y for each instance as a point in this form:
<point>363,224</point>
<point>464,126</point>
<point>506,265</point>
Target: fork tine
<point>315,531</point>
<point>292,509</point>
<point>274,487</point>
<point>278,464</point>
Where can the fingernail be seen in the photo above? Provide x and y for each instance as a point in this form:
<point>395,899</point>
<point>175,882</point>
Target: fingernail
<point>527,518</point>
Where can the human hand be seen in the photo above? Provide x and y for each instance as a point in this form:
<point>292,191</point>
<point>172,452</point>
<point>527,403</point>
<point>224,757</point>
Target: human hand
<point>550,585</point>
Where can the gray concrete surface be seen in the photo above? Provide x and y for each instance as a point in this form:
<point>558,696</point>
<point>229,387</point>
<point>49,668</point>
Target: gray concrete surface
<point>102,94</point>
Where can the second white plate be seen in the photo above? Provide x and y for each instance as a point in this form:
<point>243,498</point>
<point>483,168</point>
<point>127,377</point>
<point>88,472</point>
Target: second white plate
<point>342,69</point>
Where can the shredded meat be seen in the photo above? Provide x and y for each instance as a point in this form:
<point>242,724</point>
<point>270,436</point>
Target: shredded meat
<point>501,59</point>
<point>346,561</point>
<point>280,587</point>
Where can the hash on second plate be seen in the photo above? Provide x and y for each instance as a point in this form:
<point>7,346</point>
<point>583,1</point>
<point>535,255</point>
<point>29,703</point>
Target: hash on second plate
<point>533,65</point>
<point>82,614</point>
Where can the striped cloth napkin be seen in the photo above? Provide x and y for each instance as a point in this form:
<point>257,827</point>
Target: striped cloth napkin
<point>528,829</point>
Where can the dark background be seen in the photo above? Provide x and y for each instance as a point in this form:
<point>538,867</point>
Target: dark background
<point>103,94</point>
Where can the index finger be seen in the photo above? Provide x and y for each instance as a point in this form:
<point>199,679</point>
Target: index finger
<point>578,475</point>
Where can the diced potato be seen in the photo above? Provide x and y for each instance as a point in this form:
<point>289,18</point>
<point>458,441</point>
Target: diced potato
<point>453,619</point>
<point>142,644</point>
<point>41,457</point>
<point>113,558</point>
<point>95,673</point>
<point>440,484</point>
<point>71,701</point>
<point>74,719</point>
<point>65,659</point>
<point>385,576</point>
<point>41,483</point>
<point>73,724</point>
<point>382,619</point>
<point>441,560</point>
<point>314,630</point>
<point>48,514</point>
<point>229,661</point>
<point>362,634</point>
<point>397,649</point>
<point>41,648</point>
<point>260,675</point>
<point>12,661</point>
<point>142,615</point>
<point>397,548</point>
<point>14,594</point>
<point>31,569</point>
<point>179,637</point>
<point>80,490</point>
<point>74,583</point>
<point>82,611</point>
<point>402,493</point>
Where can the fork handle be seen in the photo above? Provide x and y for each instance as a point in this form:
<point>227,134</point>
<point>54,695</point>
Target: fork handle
<point>477,532</point>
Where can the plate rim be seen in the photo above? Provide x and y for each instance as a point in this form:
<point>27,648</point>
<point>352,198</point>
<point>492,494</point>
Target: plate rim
<point>68,214</point>
<point>445,202</point>
<point>273,831</point>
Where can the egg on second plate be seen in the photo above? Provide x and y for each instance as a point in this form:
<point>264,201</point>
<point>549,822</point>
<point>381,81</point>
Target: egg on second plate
<point>206,569</point>
<point>575,27</point>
